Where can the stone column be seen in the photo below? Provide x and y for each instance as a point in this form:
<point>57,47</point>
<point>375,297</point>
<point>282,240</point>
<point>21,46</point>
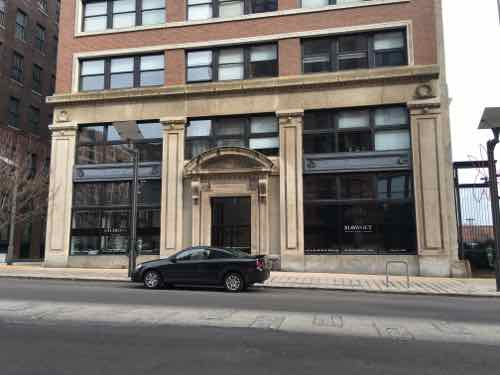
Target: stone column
<point>291,197</point>
<point>172,185</point>
<point>433,186</point>
<point>62,160</point>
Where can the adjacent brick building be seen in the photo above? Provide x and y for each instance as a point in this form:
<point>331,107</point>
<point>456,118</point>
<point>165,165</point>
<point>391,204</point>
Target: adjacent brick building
<point>28,56</point>
<point>314,131</point>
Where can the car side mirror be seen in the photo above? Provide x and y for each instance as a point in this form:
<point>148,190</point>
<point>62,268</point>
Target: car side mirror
<point>173,260</point>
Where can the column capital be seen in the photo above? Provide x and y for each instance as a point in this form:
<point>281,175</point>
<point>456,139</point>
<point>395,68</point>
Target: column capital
<point>174,123</point>
<point>290,113</point>
<point>63,129</point>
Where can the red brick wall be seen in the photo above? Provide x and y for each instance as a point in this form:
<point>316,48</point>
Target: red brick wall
<point>420,12</point>
<point>176,10</point>
<point>288,4</point>
<point>290,57</point>
<point>175,63</point>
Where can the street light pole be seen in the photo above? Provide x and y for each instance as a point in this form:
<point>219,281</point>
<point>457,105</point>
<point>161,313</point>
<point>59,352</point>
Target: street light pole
<point>495,210</point>
<point>133,224</point>
<point>12,228</point>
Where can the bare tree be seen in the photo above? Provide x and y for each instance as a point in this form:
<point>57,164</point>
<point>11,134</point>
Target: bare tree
<point>24,179</point>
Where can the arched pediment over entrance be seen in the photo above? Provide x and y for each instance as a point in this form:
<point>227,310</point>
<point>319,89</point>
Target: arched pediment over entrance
<point>229,160</point>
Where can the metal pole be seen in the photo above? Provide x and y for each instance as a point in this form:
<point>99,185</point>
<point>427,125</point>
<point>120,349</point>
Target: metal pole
<point>495,210</point>
<point>133,224</point>
<point>12,229</point>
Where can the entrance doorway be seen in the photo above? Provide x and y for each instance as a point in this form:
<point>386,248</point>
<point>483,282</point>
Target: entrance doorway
<point>231,223</point>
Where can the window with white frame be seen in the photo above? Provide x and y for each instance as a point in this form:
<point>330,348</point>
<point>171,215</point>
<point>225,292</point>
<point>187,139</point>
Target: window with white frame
<point>354,51</point>
<point>122,72</point>
<point>232,63</point>
<point>206,9</point>
<point>324,3</point>
<point>100,15</point>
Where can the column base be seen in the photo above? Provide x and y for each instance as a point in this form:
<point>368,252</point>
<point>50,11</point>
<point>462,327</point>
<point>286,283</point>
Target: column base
<point>56,261</point>
<point>293,263</point>
<point>442,266</point>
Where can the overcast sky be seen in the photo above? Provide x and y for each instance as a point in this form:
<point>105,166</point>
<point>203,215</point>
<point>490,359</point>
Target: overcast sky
<point>472,42</point>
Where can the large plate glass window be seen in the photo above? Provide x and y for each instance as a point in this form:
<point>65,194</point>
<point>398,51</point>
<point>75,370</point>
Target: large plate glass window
<point>369,213</point>
<point>101,218</point>
<point>356,130</point>
<point>104,144</point>
<point>257,132</point>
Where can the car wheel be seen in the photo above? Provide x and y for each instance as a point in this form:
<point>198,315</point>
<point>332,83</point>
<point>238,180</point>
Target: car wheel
<point>233,282</point>
<point>152,279</point>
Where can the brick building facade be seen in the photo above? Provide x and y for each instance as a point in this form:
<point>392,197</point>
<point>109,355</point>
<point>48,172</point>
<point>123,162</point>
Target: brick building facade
<point>28,56</point>
<point>313,131</point>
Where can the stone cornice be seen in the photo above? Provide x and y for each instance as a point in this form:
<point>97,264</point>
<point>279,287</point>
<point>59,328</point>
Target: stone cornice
<point>351,78</point>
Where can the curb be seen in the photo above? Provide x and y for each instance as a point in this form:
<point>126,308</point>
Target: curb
<point>372,291</point>
<point>262,286</point>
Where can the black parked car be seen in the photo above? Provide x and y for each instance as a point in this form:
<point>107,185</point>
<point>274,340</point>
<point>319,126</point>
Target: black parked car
<point>235,270</point>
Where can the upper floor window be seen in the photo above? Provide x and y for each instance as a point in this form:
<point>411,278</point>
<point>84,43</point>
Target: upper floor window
<point>17,71</point>
<point>357,51</point>
<point>37,79</point>
<point>3,10</point>
<point>257,133</point>
<point>232,63</point>
<point>34,118</point>
<point>357,130</point>
<point>324,3</point>
<point>39,40</point>
<point>14,110</point>
<point>99,15</point>
<point>21,23</point>
<point>122,72</point>
<point>205,9</point>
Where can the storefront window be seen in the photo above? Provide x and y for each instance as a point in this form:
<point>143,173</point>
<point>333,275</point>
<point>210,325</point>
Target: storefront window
<point>370,213</point>
<point>102,214</point>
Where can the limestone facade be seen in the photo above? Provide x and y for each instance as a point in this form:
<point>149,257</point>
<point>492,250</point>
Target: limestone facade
<point>272,184</point>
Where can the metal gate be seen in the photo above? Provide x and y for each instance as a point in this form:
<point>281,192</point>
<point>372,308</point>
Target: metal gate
<point>474,218</point>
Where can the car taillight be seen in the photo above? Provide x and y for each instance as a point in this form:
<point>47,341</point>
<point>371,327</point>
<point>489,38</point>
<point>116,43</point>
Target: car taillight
<point>259,263</point>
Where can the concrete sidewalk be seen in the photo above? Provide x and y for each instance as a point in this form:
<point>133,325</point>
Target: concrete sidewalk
<point>325,281</point>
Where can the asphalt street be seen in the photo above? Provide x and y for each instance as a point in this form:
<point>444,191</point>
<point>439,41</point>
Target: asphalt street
<point>59,327</point>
